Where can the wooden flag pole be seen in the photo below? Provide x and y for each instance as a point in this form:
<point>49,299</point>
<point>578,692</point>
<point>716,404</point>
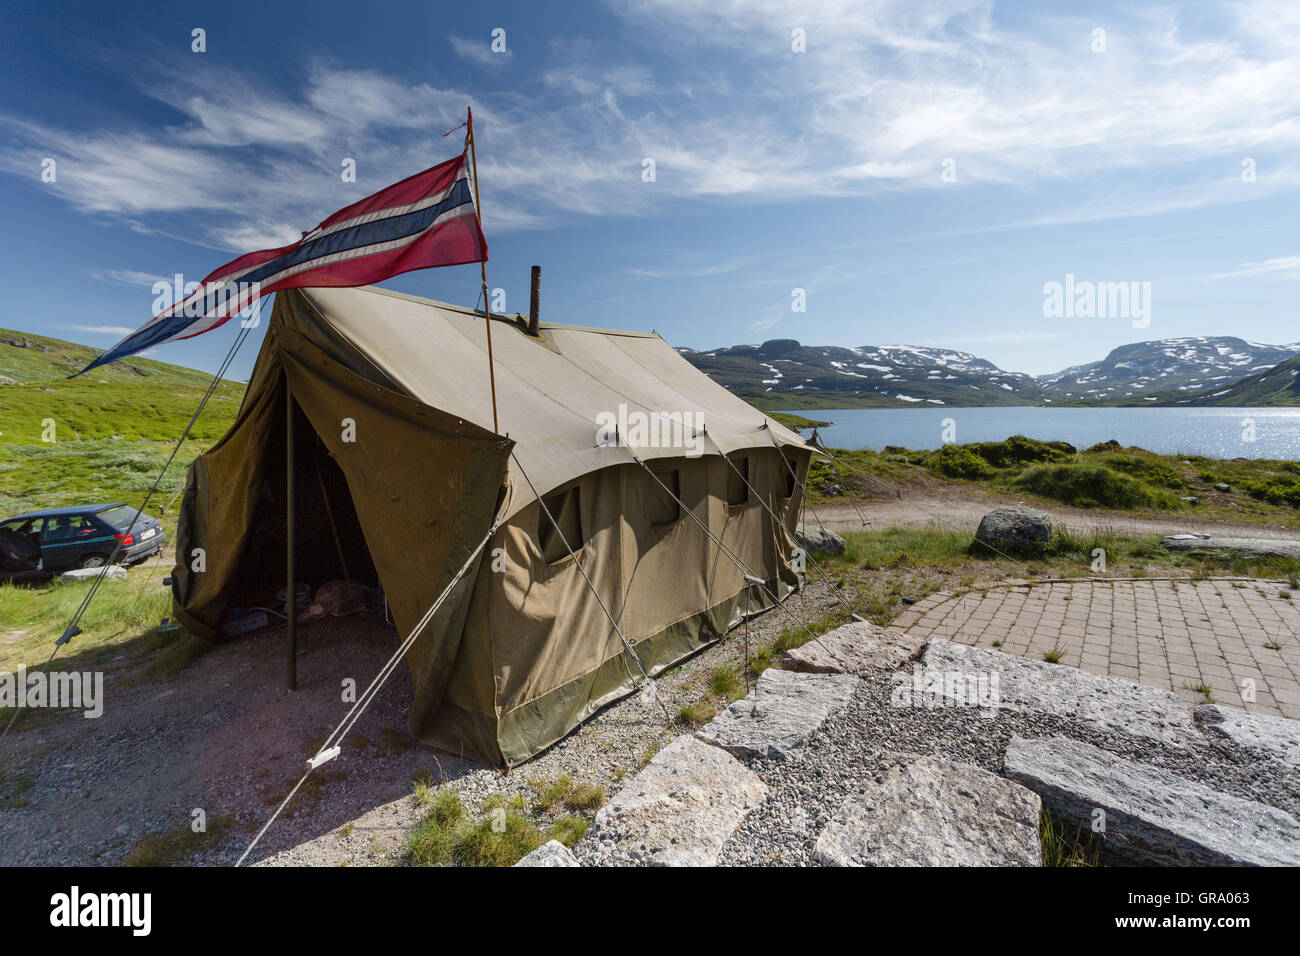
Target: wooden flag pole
<point>290,556</point>
<point>487,308</point>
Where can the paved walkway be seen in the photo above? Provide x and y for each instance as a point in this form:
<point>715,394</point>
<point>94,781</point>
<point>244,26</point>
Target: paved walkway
<point>1176,635</point>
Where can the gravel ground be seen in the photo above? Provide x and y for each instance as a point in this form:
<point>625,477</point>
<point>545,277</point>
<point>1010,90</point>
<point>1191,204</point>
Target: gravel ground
<point>607,750</point>
<point>224,736</point>
<point>870,735</point>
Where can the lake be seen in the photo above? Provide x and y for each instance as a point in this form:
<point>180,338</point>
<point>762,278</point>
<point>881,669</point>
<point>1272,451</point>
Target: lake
<point>1212,432</point>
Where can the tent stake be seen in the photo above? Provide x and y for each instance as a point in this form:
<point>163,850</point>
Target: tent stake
<point>291,582</point>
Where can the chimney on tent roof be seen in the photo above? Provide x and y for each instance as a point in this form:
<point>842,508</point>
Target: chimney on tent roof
<point>534,302</point>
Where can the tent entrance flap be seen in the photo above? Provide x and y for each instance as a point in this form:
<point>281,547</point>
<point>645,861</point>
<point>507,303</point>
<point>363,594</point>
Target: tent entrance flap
<point>330,542</point>
<point>398,492</point>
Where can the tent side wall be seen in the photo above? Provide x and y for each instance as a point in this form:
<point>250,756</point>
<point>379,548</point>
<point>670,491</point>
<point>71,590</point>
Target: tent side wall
<point>539,654</point>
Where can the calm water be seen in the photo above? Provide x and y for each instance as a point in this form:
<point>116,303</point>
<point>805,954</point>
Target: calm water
<point>1213,432</point>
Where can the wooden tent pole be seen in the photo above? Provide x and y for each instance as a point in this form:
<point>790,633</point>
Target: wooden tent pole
<point>487,308</point>
<point>291,578</point>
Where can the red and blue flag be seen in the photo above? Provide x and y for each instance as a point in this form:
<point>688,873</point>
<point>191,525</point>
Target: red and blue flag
<point>425,221</point>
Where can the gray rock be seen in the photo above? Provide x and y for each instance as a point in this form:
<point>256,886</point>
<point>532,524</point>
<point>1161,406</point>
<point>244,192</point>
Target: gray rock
<point>852,648</point>
<point>935,813</point>
<point>1277,737</point>
<point>679,811</point>
<point>779,715</point>
<point>1110,704</point>
<point>1222,486</point>
<point>1016,530</point>
<point>1152,817</point>
<point>1268,546</point>
<point>115,572</point>
<point>551,853</point>
<point>819,541</point>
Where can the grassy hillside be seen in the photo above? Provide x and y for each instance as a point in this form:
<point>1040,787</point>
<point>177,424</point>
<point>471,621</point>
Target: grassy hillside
<point>1279,385</point>
<point>112,428</point>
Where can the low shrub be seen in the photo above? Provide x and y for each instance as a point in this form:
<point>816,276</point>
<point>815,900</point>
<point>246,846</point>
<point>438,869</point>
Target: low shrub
<point>957,461</point>
<point>1092,486</point>
<point>1152,470</point>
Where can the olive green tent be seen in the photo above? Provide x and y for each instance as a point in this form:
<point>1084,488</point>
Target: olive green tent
<point>400,477</point>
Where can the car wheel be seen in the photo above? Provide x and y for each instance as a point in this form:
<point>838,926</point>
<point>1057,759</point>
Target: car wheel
<point>93,561</point>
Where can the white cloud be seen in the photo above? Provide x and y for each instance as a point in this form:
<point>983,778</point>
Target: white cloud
<point>118,330</point>
<point>129,277</point>
<point>480,51</point>
<point>886,91</point>
<point>1284,267</point>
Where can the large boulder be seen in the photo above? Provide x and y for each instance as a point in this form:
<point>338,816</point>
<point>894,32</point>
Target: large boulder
<point>1264,547</point>
<point>934,813</point>
<point>785,709</point>
<point>550,853</point>
<point>1110,705</point>
<point>114,572</point>
<point>1016,530</point>
<point>1151,817</point>
<point>854,648</point>
<point>679,811</point>
<point>819,541</point>
<point>1276,738</point>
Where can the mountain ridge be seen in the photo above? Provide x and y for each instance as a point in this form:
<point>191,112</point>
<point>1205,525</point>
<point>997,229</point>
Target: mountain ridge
<point>785,373</point>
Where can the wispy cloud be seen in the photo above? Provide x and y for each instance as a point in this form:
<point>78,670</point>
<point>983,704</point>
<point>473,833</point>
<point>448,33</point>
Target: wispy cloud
<point>1284,267</point>
<point>118,330</point>
<point>479,50</point>
<point>886,91</point>
<point>129,277</point>
<point>686,272</point>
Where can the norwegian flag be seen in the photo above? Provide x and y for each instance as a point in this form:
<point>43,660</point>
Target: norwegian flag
<point>424,221</point>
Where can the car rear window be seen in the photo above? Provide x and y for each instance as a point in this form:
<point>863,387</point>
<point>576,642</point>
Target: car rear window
<point>119,517</point>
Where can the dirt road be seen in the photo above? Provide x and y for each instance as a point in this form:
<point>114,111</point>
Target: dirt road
<point>962,510</point>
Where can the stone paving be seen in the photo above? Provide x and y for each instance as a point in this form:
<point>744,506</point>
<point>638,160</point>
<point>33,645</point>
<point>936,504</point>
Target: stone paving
<point>1176,635</point>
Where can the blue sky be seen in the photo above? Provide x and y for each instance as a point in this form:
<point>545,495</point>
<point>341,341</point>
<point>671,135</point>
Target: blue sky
<point>775,170</point>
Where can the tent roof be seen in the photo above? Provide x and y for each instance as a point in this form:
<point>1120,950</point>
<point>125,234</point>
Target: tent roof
<point>549,391</point>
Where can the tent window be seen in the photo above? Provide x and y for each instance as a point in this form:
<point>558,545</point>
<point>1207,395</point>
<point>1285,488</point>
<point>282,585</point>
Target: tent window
<point>662,508</point>
<point>738,481</point>
<point>790,467</point>
<point>566,510</point>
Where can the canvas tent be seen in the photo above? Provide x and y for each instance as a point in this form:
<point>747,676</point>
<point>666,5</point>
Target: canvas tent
<point>402,476</point>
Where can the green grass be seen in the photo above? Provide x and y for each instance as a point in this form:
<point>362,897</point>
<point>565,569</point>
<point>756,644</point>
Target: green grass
<point>1063,846</point>
<point>797,421</point>
<point>113,428</point>
<point>563,790</point>
<point>1103,476</point>
<point>92,472</point>
<point>133,398</point>
<point>12,788</point>
<point>1069,554</point>
<point>449,836</point>
<point>1093,486</point>
<point>725,683</point>
<point>176,846</point>
<point>697,714</point>
<point>118,627</point>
